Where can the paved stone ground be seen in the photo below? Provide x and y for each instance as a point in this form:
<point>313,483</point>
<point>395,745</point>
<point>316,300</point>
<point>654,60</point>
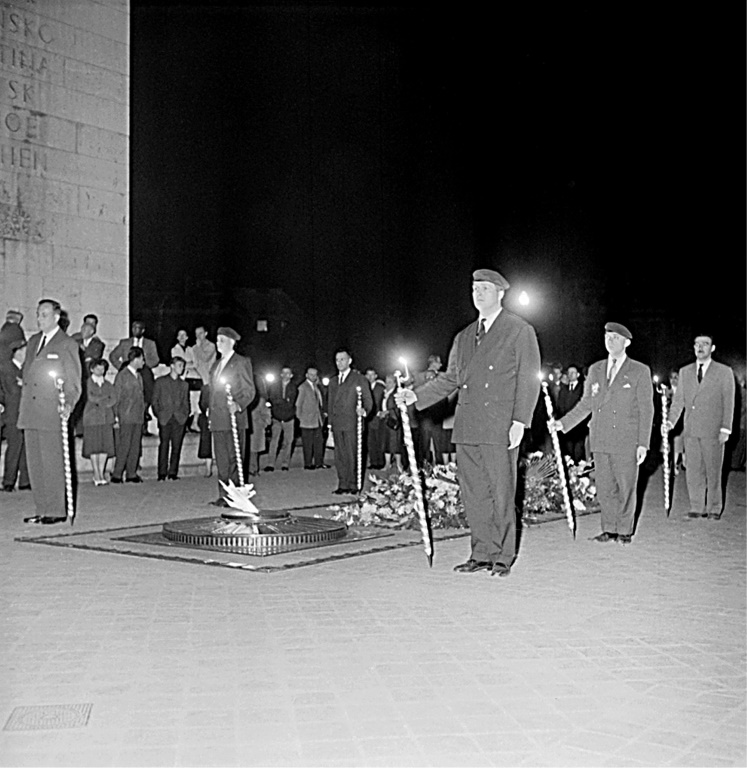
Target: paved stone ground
<point>588,654</point>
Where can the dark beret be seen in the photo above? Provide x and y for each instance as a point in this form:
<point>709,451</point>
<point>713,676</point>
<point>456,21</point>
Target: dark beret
<point>228,332</point>
<point>17,344</point>
<point>617,328</point>
<point>491,276</point>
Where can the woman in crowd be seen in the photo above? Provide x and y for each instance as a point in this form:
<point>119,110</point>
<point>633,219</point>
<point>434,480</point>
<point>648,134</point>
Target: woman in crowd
<point>98,420</point>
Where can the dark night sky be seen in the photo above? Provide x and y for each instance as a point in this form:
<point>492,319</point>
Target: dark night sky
<point>364,160</point>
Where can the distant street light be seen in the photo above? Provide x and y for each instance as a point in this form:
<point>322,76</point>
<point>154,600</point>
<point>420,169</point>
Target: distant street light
<point>325,381</point>
<point>269,378</point>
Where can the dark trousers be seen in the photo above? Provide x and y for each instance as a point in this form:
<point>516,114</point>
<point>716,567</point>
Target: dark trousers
<point>128,446</point>
<point>312,442</point>
<point>15,457</point>
<point>487,478</point>
<point>346,449</point>
<point>170,437</point>
<point>224,454</point>
<point>616,476</point>
<point>573,445</point>
<point>375,443</point>
<point>46,471</point>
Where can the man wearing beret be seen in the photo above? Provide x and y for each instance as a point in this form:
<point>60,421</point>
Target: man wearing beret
<point>235,371</point>
<point>620,398</point>
<point>493,366</point>
<point>705,394</point>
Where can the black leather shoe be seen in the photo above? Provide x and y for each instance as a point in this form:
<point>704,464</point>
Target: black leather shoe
<point>52,520</point>
<point>623,539</point>
<point>603,537</point>
<point>135,479</point>
<point>344,491</point>
<point>161,478</point>
<point>24,487</point>
<point>285,469</point>
<point>499,570</point>
<point>219,503</point>
<point>324,466</point>
<point>269,469</point>
<point>713,516</point>
<point>173,477</point>
<point>115,480</point>
<point>8,488</point>
<point>309,467</point>
<point>33,519</point>
<point>473,565</point>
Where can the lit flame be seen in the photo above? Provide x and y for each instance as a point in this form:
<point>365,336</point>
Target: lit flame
<point>269,378</point>
<point>524,298</point>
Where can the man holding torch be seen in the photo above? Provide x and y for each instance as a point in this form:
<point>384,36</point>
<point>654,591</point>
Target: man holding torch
<point>231,393</point>
<point>620,398</point>
<point>493,367</point>
<point>51,356</point>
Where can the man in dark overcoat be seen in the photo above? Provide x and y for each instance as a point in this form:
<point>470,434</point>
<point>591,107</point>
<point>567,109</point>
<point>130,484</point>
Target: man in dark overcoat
<point>493,365</point>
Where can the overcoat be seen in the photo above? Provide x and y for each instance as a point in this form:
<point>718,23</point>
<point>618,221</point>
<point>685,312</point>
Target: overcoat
<point>238,374</point>
<point>497,381</point>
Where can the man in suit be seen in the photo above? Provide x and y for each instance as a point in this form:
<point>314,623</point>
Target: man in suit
<point>344,415</point>
<point>10,399</point>
<point>235,371</point>
<point>619,395</point>
<point>118,358</point>
<point>282,396</point>
<point>310,414</point>
<point>171,407</point>
<point>570,394</point>
<point>705,393</point>
<point>128,385</point>
<point>51,355</point>
<point>375,431</point>
<point>493,365</point>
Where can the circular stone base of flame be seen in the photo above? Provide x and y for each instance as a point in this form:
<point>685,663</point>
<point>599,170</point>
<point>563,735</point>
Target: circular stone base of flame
<point>266,536</point>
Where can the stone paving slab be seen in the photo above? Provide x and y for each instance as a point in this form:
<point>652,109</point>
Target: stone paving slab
<point>587,654</point>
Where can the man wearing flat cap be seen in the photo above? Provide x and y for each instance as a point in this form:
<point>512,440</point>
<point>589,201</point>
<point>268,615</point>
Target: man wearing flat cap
<point>620,398</point>
<point>235,371</point>
<point>493,366</point>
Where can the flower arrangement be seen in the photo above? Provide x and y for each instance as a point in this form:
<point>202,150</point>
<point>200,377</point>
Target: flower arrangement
<point>389,502</point>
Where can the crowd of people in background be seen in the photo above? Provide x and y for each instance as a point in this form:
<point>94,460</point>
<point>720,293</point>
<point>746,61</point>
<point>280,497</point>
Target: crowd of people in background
<point>123,391</point>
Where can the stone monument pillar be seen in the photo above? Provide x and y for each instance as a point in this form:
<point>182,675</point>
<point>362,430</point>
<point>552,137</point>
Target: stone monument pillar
<point>64,160</point>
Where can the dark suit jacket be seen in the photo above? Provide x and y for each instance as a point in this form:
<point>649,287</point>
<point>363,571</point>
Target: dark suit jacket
<point>283,408</point>
<point>343,400</point>
<point>39,399</point>
<point>10,391</point>
<point>708,406</point>
<point>497,381</point>
<point>94,350</point>
<point>377,395</point>
<point>130,406</point>
<point>9,332</point>
<point>568,399</point>
<point>621,414</point>
<point>171,398</point>
<point>238,374</point>
<point>118,356</point>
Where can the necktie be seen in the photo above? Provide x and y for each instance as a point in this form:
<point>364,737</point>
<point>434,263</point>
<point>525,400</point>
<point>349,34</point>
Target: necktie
<point>44,341</point>
<point>481,330</point>
<point>611,374</point>
<point>340,381</point>
<point>700,372</point>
